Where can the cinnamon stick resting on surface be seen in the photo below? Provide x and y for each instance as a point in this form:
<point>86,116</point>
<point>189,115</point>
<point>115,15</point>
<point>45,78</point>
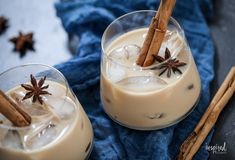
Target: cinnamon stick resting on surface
<point>196,138</point>
<point>13,112</point>
<point>156,33</point>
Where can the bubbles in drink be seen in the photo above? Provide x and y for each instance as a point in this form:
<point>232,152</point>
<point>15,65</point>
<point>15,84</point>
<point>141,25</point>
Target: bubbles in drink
<point>142,83</point>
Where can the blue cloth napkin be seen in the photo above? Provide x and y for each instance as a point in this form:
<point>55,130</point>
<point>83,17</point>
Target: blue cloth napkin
<point>87,19</point>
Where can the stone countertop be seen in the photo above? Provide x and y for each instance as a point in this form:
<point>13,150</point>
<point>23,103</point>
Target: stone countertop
<point>223,34</point>
<point>51,48</point>
<point>38,17</point>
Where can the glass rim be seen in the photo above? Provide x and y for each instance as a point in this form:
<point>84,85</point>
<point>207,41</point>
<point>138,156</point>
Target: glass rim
<point>153,66</point>
<point>49,117</point>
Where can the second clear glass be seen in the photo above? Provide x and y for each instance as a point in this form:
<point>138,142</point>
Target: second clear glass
<point>60,128</point>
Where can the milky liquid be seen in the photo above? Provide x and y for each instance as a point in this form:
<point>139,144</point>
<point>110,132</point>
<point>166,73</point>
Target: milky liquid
<point>140,98</point>
<point>60,128</point>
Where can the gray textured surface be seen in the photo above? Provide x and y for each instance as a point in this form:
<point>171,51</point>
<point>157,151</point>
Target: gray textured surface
<point>51,48</point>
<point>223,33</point>
<point>39,17</point>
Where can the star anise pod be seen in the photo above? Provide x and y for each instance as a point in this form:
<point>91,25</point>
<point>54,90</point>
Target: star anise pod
<point>35,90</point>
<point>3,24</point>
<point>23,42</point>
<point>170,64</point>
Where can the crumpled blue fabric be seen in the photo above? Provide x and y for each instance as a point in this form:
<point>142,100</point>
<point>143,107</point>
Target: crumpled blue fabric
<point>87,19</point>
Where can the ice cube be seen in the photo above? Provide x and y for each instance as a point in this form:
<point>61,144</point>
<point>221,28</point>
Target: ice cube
<point>115,72</point>
<point>63,107</point>
<point>173,42</point>
<point>171,35</point>
<point>12,140</point>
<point>125,55</point>
<point>120,59</point>
<point>41,136</point>
<point>142,83</point>
<point>117,54</point>
<point>132,52</point>
<point>33,109</point>
<point>3,130</point>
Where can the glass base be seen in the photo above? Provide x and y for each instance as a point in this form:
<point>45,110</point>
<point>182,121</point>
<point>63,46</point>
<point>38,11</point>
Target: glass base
<point>159,126</point>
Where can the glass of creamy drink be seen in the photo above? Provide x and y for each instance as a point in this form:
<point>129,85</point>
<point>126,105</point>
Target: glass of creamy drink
<point>153,97</point>
<point>59,129</point>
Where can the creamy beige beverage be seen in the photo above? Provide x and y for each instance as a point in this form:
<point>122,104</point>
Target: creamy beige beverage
<point>141,98</point>
<point>60,129</point>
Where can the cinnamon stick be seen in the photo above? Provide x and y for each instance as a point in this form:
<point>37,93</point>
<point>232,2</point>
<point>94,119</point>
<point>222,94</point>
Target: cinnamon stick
<point>194,141</point>
<point>185,147</point>
<point>211,121</point>
<point>229,78</point>
<point>13,112</point>
<point>144,49</point>
<point>156,33</point>
<point>165,14</point>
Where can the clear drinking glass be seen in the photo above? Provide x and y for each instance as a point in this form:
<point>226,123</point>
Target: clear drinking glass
<point>60,128</point>
<point>141,97</point>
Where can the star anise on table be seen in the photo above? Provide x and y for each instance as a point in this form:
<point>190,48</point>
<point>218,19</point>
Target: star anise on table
<point>170,64</point>
<point>3,24</point>
<point>23,42</point>
<point>35,90</point>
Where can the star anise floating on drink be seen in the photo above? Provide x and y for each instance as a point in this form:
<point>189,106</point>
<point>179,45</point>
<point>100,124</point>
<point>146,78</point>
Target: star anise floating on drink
<point>35,90</point>
<point>170,64</point>
<point>3,24</point>
<point>23,42</point>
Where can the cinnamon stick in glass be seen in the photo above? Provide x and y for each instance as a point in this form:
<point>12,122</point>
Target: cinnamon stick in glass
<point>13,112</point>
<point>147,42</point>
<point>156,33</point>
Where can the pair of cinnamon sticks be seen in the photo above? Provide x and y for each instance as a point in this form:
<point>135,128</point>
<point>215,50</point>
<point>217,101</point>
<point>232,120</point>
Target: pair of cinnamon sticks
<point>156,33</point>
<point>13,112</point>
<point>191,145</point>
